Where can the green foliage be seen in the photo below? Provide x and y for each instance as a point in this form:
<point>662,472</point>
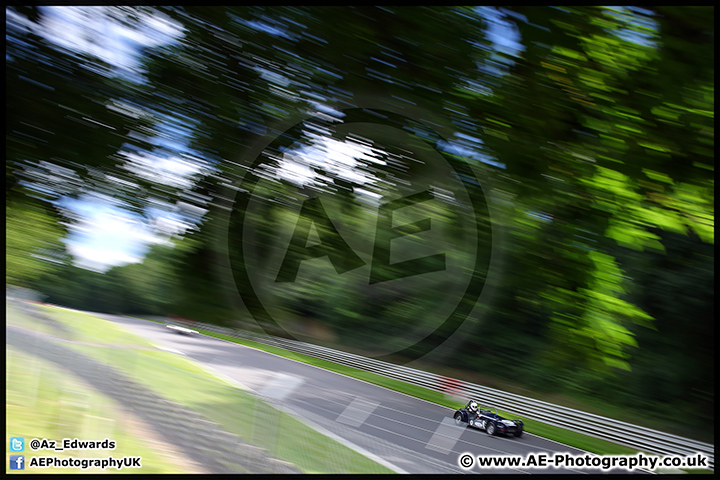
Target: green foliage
<point>598,134</point>
<point>32,243</point>
<point>601,330</point>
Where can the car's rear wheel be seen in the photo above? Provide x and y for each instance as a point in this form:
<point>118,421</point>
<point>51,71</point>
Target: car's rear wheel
<point>518,433</point>
<point>490,428</point>
<point>458,420</point>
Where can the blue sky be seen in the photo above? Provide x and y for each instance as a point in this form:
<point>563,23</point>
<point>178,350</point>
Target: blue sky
<point>106,235</point>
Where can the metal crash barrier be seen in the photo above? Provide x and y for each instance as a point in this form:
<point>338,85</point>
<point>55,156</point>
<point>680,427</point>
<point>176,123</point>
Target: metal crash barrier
<point>634,436</point>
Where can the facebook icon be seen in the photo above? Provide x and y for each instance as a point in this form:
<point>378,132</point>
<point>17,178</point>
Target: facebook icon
<point>17,462</point>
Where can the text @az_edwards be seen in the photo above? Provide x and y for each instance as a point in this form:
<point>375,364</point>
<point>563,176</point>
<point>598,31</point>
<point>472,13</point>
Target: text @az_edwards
<point>71,444</point>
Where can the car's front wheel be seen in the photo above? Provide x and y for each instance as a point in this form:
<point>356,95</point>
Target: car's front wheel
<point>458,420</point>
<point>490,428</point>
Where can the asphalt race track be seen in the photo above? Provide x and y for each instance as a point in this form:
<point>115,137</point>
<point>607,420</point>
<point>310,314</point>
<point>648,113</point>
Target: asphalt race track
<point>412,435</point>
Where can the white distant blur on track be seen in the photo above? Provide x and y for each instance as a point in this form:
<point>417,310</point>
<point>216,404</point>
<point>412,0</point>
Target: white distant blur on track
<point>181,330</point>
<point>413,435</point>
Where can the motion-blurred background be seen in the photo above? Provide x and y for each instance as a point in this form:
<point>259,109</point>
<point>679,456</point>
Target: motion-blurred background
<point>126,126</point>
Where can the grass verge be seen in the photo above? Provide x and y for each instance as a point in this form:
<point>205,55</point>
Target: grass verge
<point>46,402</point>
<point>184,382</point>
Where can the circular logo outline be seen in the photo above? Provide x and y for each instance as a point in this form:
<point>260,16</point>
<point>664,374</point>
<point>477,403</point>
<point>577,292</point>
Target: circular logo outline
<point>480,206</point>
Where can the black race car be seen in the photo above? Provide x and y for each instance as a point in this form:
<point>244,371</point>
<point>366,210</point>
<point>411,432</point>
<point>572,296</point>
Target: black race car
<point>487,419</point>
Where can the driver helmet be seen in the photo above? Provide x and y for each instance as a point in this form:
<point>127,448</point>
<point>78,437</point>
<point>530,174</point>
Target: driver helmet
<point>473,406</point>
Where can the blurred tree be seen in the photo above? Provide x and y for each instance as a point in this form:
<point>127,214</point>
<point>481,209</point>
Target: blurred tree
<point>33,244</point>
<point>588,121</point>
<point>67,118</point>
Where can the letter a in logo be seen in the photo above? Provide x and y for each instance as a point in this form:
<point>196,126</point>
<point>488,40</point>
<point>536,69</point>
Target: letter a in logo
<point>332,245</point>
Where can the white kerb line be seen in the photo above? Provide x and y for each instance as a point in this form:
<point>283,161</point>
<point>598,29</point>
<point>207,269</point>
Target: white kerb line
<point>445,437</point>
<point>357,412</point>
<point>281,386</point>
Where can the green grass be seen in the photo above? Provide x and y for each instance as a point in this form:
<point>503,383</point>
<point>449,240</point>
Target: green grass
<point>46,402</point>
<point>182,381</point>
<point>18,317</point>
<point>85,325</point>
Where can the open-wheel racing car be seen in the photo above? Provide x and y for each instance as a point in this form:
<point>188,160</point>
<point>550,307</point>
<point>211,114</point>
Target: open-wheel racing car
<point>487,419</point>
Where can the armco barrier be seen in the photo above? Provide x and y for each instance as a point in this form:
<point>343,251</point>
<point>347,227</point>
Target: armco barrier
<point>634,436</point>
